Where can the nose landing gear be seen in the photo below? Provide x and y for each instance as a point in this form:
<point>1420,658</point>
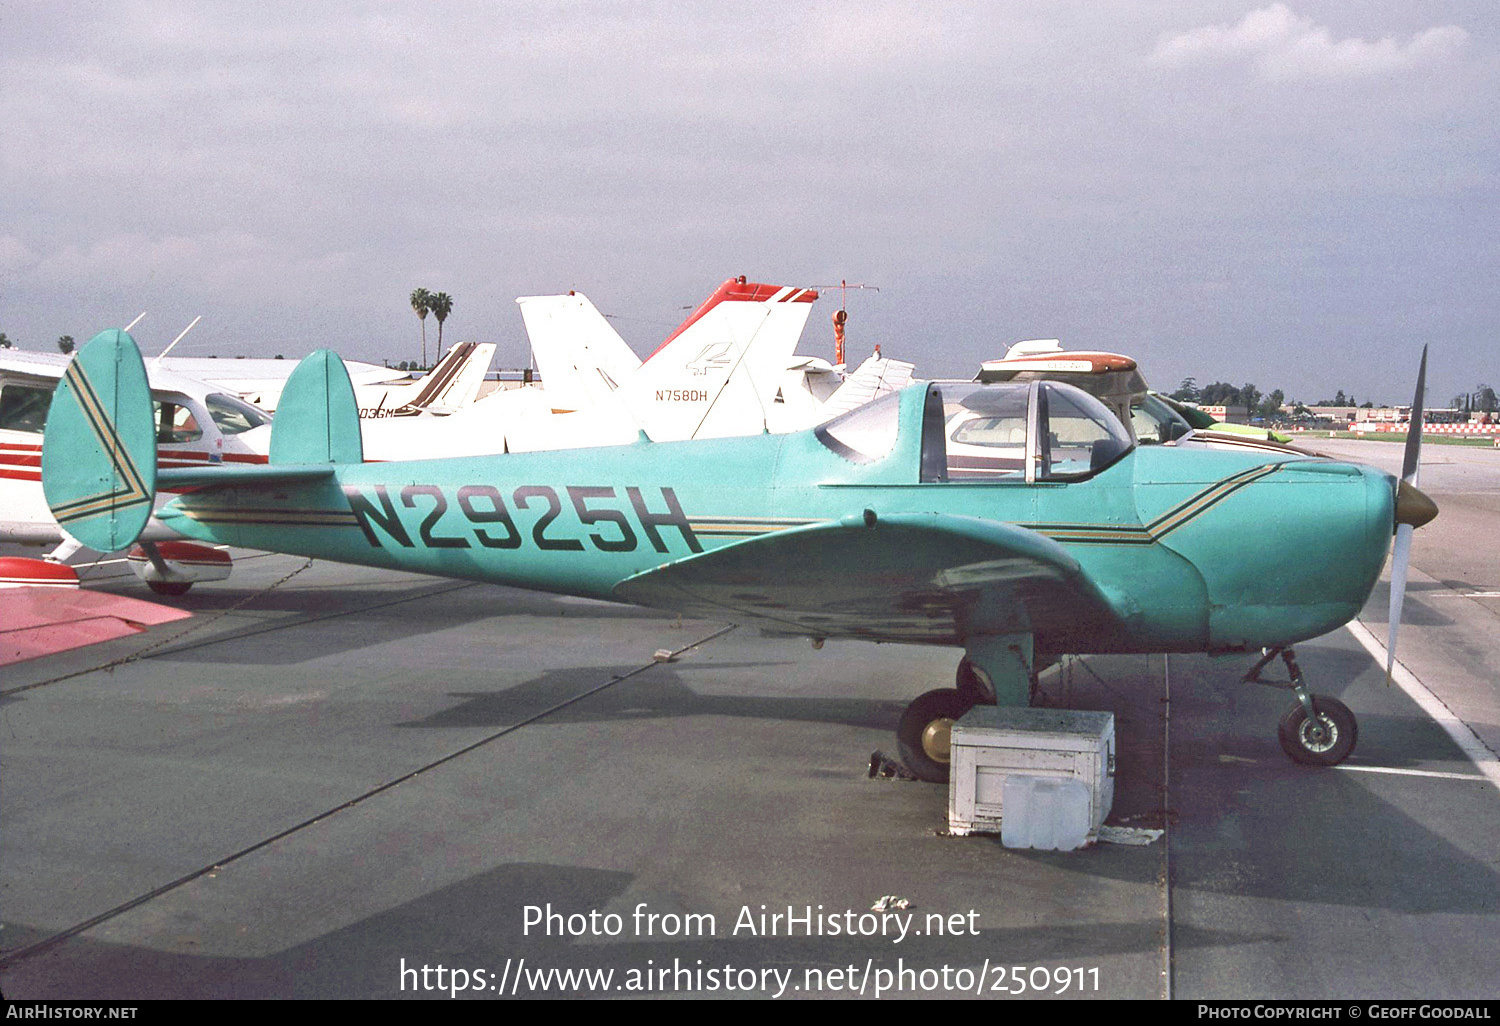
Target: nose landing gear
<point>1318,730</point>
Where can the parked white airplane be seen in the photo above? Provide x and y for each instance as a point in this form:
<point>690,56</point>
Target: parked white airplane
<point>451,385</point>
<point>1116,381</point>
<point>726,370</point>
<point>248,375</point>
<point>713,377</point>
<point>196,424</point>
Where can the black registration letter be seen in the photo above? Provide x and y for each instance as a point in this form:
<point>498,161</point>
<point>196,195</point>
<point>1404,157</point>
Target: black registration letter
<point>523,496</point>
<point>673,517</point>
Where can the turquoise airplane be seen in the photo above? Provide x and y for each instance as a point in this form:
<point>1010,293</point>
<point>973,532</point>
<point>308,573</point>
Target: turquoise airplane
<point>1015,521</point>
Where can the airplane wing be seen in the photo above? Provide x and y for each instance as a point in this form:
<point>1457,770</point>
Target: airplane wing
<point>40,620</point>
<point>925,577</point>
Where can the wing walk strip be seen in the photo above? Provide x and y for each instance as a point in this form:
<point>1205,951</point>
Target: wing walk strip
<point>134,490</point>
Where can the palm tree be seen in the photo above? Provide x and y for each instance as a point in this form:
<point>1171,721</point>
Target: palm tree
<point>441,306</point>
<point>65,343</point>
<point>421,302</point>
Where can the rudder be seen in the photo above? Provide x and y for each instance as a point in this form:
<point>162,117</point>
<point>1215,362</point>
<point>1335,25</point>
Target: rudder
<point>99,446</point>
<point>317,416</point>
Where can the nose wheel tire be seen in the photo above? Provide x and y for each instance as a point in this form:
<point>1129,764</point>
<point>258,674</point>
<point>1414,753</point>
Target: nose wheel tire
<point>923,735</point>
<point>169,587</point>
<point>1324,740</point>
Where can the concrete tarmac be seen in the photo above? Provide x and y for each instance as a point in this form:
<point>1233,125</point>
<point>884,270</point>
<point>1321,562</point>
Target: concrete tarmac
<point>333,787</point>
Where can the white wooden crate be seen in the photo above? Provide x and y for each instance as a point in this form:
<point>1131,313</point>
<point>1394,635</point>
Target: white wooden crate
<point>991,744</point>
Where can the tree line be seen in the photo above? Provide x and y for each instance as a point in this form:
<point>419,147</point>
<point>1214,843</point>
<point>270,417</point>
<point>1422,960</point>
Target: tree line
<point>1221,393</point>
<point>64,342</point>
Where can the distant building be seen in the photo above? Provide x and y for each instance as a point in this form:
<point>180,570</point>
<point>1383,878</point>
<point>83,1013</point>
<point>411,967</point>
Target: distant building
<point>1228,414</point>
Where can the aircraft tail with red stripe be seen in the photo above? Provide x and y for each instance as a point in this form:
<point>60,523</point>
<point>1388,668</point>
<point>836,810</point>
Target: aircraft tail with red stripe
<point>716,376</point>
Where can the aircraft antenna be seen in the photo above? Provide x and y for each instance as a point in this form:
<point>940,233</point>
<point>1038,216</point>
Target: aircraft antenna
<point>136,321</point>
<point>179,338</point>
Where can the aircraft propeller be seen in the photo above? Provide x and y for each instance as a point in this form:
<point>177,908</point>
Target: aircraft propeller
<point>1413,509</point>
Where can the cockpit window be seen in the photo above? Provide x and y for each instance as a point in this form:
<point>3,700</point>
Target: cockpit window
<point>234,415</point>
<point>985,428</point>
<point>175,423</point>
<point>1015,432</point>
<point>1078,435</point>
<point>866,433</point>
<point>24,407</point>
<point>1156,423</point>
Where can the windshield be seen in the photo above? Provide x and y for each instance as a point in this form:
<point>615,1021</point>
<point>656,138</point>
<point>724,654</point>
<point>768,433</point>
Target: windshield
<point>1078,435</point>
<point>866,433</point>
<point>234,415</point>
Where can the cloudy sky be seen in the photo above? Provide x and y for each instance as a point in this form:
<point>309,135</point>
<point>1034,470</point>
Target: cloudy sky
<point>1296,194</point>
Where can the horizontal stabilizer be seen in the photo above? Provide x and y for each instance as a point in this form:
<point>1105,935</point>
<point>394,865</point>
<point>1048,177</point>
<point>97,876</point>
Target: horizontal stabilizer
<point>923,577</point>
<point>876,377</point>
<point>218,474</point>
<point>317,416</point>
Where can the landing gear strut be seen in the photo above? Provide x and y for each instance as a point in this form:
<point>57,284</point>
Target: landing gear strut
<point>996,669</point>
<point>1318,730</point>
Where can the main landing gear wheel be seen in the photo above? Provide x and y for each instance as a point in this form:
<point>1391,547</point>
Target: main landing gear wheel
<point>169,587</point>
<point>925,730</point>
<point>1324,740</point>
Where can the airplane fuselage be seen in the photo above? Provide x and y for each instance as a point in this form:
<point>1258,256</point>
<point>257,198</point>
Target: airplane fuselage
<point>1202,550</point>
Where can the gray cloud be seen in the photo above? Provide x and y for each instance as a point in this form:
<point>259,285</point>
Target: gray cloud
<point>1283,46</point>
<point>1298,212</point>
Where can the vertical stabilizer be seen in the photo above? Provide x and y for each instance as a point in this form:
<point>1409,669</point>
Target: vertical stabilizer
<point>99,449</point>
<point>579,355</point>
<point>717,374</point>
<point>317,417</point>
<point>454,382</point>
